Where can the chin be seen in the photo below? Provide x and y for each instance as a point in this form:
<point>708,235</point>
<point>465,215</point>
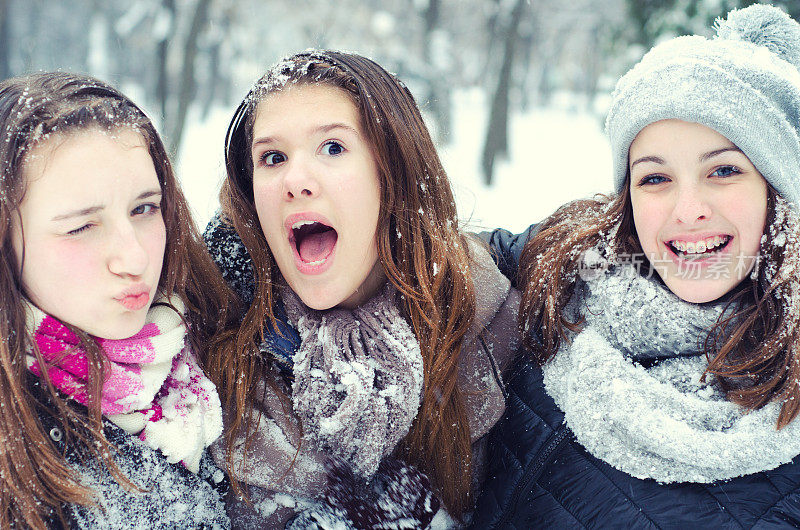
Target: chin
<point>119,332</point>
<point>318,305</point>
<point>698,292</point>
<point>318,298</point>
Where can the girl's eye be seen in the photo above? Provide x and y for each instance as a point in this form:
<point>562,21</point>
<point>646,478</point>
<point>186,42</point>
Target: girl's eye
<point>144,209</point>
<point>79,230</point>
<point>332,148</point>
<point>272,158</point>
<point>726,171</point>
<point>652,180</point>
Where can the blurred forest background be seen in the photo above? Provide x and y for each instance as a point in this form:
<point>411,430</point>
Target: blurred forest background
<point>182,59</point>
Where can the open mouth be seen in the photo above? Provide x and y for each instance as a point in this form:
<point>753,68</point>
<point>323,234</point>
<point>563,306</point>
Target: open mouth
<point>697,250</point>
<point>313,241</point>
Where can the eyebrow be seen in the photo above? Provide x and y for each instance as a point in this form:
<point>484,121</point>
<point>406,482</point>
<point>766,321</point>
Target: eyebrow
<point>320,129</point>
<point>655,159</point>
<point>712,154</point>
<point>94,209</point>
<point>703,157</point>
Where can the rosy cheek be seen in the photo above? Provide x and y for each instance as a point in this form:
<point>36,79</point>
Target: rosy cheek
<point>77,257</point>
<point>266,196</point>
<point>265,189</point>
<point>54,269</point>
<point>754,225</point>
<point>155,241</point>
<point>645,222</point>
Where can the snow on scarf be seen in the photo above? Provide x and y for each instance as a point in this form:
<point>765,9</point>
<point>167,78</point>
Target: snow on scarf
<point>153,385</point>
<point>357,378</point>
<point>659,422</point>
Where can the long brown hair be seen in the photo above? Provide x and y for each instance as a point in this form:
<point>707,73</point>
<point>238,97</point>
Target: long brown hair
<point>35,479</point>
<point>753,350</point>
<point>417,231</point>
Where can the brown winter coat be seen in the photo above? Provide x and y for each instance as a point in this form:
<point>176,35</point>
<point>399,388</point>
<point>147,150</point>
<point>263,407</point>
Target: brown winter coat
<point>277,473</point>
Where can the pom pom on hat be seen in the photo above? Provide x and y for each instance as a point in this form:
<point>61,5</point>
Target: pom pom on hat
<point>766,26</point>
<point>744,84</point>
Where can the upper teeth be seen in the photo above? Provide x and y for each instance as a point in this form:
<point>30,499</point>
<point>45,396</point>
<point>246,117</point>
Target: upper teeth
<point>298,224</point>
<point>698,247</point>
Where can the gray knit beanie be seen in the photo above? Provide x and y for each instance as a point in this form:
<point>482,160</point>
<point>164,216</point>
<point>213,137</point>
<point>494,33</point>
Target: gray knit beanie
<point>744,84</point>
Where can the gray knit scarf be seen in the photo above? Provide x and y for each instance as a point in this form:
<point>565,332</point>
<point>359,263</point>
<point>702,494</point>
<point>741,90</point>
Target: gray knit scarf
<point>659,422</point>
<point>357,378</point>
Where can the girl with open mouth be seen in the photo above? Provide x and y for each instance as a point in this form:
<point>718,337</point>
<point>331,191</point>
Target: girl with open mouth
<point>367,370</point>
<point>663,320</point>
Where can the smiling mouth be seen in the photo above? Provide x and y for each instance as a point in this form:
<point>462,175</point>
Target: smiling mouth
<point>313,241</point>
<point>698,250</point>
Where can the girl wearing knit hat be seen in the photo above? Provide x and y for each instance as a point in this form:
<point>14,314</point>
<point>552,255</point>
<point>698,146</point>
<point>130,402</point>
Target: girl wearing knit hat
<point>664,321</point>
<point>107,294</point>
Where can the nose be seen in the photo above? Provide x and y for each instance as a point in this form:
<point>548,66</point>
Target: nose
<point>126,254</point>
<point>691,205</point>
<point>299,180</point>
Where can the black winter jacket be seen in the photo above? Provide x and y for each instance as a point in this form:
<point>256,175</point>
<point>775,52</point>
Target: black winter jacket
<point>174,497</point>
<point>540,477</point>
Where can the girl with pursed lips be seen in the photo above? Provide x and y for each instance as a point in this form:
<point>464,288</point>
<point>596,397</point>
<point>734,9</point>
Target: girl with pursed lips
<point>108,296</point>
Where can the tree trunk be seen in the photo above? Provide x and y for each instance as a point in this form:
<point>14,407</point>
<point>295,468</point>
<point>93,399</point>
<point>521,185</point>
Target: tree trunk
<point>528,42</point>
<point>592,71</point>
<point>214,79</point>
<point>187,82</point>
<point>5,39</point>
<point>431,21</point>
<point>162,54</point>
<point>99,45</point>
<point>492,32</point>
<point>32,26</point>
<point>438,90</point>
<point>496,143</point>
<point>216,85</point>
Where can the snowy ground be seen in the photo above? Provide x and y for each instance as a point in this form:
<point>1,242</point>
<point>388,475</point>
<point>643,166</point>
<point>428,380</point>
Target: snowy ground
<point>556,155</point>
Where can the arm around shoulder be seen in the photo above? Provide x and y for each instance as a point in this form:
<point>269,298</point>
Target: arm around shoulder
<point>506,248</point>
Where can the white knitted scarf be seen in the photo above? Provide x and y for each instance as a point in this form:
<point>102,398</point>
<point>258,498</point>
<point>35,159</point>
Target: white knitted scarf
<point>662,422</point>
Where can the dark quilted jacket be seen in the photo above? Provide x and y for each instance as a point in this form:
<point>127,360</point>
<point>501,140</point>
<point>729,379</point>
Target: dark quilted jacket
<point>173,496</point>
<point>540,477</point>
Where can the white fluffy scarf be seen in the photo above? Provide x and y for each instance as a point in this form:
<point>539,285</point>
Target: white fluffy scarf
<point>662,422</point>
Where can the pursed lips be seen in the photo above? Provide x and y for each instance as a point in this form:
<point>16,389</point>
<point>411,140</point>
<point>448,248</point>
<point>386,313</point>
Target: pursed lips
<point>134,297</point>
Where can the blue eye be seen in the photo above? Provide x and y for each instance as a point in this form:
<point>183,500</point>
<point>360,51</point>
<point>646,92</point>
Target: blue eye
<point>652,180</point>
<point>332,148</point>
<point>147,208</point>
<point>272,158</point>
<point>726,171</point>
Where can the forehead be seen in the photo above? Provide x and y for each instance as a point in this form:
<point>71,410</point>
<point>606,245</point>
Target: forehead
<point>321,103</point>
<point>65,147</point>
<point>86,162</point>
<point>678,131</point>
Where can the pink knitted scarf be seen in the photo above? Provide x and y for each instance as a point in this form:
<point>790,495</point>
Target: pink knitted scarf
<point>153,385</point>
